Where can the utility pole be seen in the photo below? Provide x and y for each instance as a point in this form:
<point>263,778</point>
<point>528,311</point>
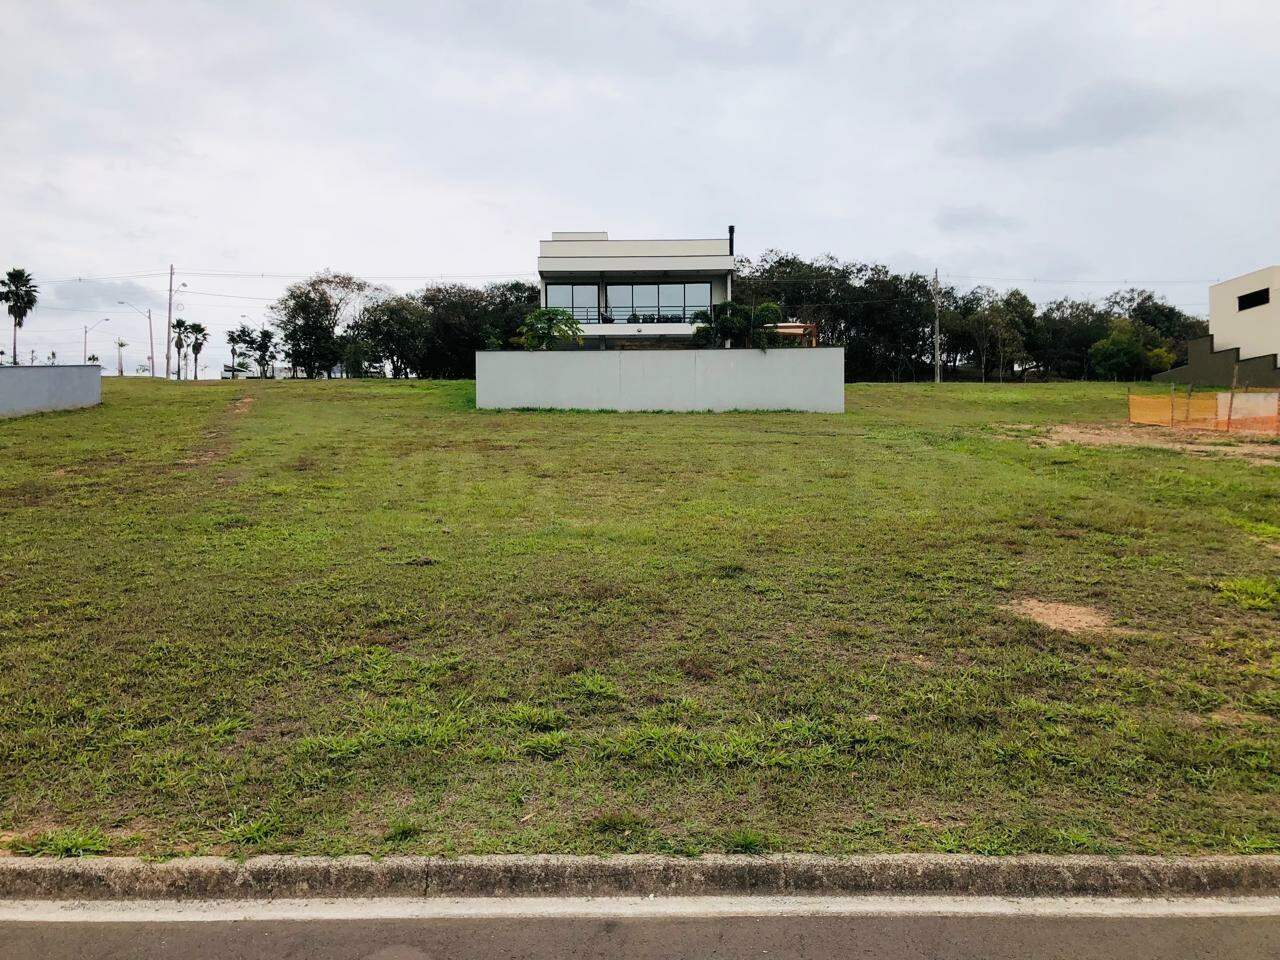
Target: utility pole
<point>937,356</point>
<point>151,337</point>
<point>168,337</point>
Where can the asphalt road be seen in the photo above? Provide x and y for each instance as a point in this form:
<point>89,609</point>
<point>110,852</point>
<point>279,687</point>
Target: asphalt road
<point>646,929</point>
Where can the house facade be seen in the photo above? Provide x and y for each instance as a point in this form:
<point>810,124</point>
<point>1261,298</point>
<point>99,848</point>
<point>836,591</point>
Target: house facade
<point>1243,346</point>
<point>645,292</point>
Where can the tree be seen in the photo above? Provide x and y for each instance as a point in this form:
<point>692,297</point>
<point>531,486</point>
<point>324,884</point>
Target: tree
<point>199,337</point>
<point>93,358</point>
<point>181,336</point>
<point>240,340</point>
<point>975,325</point>
<point>120,345</point>
<point>401,328</point>
<point>1062,336</point>
<point>505,306</point>
<point>884,320</point>
<point>20,294</point>
<point>544,328</point>
<point>265,350</point>
<point>1017,319</point>
<point>737,326</point>
<point>1174,326</point>
<point>312,315</point>
<point>1130,351</point>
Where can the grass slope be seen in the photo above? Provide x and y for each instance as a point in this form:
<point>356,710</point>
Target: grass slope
<point>363,616</point>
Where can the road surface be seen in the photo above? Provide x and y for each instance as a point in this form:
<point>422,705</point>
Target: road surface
<point>886,928</point>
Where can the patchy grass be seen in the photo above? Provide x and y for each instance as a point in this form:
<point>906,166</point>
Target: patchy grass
<point>67,842</point>
<point>1251,593</point>
<point>366,617</point>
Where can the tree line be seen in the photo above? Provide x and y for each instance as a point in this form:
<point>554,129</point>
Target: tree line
<point>337,322</point>
<point>884,320</point>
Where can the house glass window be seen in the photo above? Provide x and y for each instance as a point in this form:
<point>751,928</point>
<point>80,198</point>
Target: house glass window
<point>580,299</point>
<point>653,302</point>
<point>560,296</point>
<point>671,302</point>
<point>618,300</point>
<point>697,296</point>
<point>645,303</point>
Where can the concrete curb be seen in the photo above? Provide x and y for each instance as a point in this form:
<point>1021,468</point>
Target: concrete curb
<point>104,878</point>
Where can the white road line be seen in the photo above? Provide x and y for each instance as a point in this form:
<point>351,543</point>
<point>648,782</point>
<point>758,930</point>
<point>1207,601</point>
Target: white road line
<point>482,908</point>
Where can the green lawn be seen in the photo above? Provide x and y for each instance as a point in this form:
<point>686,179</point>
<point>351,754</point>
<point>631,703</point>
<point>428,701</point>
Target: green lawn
<point>363,616</point>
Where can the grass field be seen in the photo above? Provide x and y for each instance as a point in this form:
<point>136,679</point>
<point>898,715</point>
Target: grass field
<point>362,616</point>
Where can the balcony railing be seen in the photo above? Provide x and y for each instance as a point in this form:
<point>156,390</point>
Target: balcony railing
<point>587,315</point>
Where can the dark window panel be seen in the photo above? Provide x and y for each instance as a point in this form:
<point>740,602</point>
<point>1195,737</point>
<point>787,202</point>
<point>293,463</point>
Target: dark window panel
<point>1257,298</point>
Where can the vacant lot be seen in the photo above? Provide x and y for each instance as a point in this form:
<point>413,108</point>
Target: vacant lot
<point>361,616</point>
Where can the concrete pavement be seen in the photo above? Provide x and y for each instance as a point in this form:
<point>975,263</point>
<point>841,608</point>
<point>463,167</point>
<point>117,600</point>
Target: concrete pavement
<point>647,927</point>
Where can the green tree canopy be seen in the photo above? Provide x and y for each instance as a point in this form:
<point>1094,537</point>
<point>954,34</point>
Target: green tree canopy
<point>545,328</point>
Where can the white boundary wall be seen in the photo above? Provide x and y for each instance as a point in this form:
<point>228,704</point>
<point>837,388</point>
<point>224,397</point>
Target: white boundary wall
<point>38,389</point>
<point>787,378</point>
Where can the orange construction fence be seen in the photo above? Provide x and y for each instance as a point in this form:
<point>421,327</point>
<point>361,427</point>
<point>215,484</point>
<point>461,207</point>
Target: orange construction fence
<point>1234,411</point>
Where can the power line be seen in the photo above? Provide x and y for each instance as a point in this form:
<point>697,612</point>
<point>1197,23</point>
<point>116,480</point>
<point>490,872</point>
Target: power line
<point>960,276</point>
<point>119,276</point>
<point>254,275</point>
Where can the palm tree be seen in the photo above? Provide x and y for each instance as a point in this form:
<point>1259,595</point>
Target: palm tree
<point>199,335</point>
<point>180,329</point>
<point>20,293</point>
<point>120,345</point>
<point>92,358</point>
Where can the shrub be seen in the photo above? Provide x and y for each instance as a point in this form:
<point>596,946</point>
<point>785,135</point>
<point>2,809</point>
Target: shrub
<point>544,328</point>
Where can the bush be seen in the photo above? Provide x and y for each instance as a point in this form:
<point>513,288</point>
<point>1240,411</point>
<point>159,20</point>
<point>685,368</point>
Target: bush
<point>544,328</point>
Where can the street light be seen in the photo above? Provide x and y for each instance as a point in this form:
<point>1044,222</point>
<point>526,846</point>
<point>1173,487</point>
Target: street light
<point>168,336</point>
<point>151,358</point>
<point>88,327</point>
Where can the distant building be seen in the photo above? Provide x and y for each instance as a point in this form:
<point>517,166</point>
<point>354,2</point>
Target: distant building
<point>1243,345</point>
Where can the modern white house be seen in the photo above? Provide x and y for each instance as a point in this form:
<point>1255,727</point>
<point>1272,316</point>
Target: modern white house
<point>1244,335</point>
<point>637,303</point>
<point>634,291</point>
<point>1244,312</point>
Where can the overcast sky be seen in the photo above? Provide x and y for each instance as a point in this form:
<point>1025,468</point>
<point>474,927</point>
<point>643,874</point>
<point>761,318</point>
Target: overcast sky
<point>1054,140</point>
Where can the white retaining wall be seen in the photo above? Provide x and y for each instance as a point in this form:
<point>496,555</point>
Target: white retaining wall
<point>37,389</point>
<point>787,378</point>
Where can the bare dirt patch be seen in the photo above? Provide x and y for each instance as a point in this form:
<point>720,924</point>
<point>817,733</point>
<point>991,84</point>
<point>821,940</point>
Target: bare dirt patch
<point>1195,442</point>
<point>1060,616</point>
<point>218,442</point>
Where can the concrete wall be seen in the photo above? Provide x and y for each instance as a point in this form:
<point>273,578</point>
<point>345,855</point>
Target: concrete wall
<point>1256,332</point>
<point>1207,366</point>
<point>37,389</point>
<point>781,379</point>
